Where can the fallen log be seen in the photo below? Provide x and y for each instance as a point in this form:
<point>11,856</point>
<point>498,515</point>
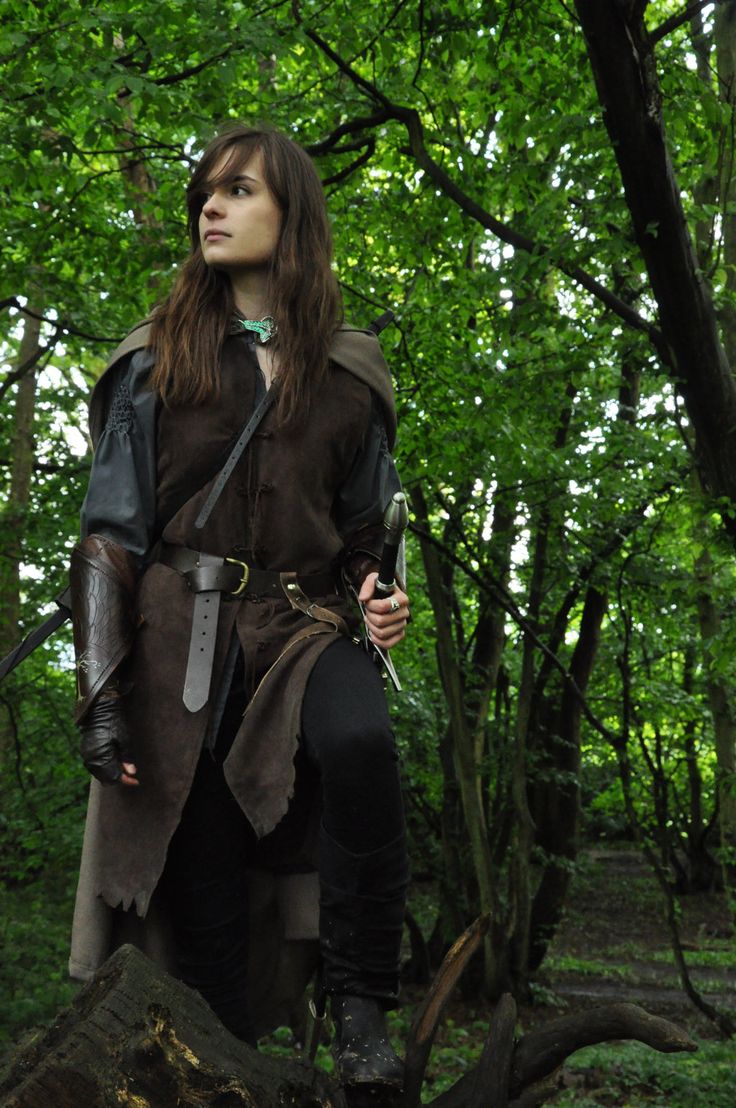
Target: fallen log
<point>136,1037</point>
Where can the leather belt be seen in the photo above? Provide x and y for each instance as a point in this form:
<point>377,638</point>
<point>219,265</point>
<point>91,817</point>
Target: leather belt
<point>202,643</point>
<point>208,572</point>
<point>211,577</point>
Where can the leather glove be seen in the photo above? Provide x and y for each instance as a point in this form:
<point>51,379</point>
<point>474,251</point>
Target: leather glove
<point>105,744</point>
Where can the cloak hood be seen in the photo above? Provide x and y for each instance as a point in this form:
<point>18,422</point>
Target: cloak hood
<point>353,348</point>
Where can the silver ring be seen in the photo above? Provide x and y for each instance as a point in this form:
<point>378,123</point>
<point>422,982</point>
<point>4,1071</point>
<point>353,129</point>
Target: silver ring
<point>395,605</point>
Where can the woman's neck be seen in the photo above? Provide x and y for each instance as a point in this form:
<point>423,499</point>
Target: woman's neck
<point>249,293</point>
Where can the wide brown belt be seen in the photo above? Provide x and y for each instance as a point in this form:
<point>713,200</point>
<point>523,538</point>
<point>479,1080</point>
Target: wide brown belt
<point>212,576</point>
<point>209,573</point>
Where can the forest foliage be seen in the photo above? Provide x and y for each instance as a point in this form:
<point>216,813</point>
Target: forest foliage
<point>569,667</point>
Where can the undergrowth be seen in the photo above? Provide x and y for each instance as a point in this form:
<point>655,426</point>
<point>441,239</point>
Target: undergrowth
<point>630,1075</point>
<point>34,938</point>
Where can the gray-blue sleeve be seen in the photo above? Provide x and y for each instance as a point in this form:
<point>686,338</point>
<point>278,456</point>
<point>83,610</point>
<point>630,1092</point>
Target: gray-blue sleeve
<point>372,480</point>
<point>121,497</point>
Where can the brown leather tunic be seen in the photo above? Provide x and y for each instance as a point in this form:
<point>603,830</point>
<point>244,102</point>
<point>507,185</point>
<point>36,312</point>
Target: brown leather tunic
<point>277,512</point>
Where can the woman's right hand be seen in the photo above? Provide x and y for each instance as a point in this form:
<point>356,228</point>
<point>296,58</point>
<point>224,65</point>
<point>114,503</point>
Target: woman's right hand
<point>104,745</point>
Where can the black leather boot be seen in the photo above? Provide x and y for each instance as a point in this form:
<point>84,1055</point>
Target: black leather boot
<point>362,1050</point>
<point>362,898</point>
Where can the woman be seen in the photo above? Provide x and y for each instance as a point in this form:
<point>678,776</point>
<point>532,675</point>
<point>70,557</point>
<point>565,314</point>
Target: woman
<point>212,629</point>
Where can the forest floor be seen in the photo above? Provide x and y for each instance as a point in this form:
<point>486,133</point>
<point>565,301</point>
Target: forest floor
<point>615,924</point>
<point>612,946</point>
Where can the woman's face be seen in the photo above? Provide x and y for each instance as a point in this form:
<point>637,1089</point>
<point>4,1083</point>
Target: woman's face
<point>240,222</point>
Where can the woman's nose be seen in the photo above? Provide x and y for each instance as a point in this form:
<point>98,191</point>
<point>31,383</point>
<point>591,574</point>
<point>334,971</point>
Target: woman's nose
<point>212,205</point>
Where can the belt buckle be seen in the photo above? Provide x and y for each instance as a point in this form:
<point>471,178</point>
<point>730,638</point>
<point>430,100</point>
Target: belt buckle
<point>244,579</point>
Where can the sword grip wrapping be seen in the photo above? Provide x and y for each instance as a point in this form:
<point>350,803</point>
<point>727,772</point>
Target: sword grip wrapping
<point>395,521</point>
<point>386,580</point>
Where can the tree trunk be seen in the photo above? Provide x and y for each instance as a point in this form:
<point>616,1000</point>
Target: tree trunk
<point>724,24</point>
<point>559,820</point>
<point>529,712</point>
<point>623,64</point>
<point>16,507</point>
<point>556,812</point>
<point>454,909</point>
<point>21,472</point>
<point>462,737</point>
<point>522,832</point>
<point>720,696</point>
<point>701,871</point>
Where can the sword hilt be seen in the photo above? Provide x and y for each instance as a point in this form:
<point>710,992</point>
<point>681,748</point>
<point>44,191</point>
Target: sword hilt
<point>395,520</point>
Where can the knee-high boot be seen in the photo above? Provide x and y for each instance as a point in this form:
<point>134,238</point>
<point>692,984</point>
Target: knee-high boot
<point>362,899</point>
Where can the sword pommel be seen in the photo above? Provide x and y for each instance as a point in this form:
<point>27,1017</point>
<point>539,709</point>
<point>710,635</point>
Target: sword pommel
<point>396,518</point>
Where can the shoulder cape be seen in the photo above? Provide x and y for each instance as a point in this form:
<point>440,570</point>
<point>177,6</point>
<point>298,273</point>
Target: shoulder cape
<point>356,350</point>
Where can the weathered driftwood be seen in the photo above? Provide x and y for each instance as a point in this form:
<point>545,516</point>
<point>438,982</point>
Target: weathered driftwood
<point>136,1037</point>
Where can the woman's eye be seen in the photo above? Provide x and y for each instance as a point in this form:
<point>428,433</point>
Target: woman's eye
<point>240,190</point>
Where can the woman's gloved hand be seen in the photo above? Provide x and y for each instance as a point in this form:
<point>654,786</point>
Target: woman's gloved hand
<point>105,745</point>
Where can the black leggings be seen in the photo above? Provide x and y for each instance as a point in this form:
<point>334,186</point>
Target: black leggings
<point>347,739</point>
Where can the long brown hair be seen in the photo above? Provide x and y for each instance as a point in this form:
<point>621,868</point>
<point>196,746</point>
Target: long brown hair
<point>190,325</point>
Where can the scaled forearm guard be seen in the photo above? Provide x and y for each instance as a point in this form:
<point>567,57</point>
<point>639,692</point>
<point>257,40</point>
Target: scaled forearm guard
<point>103,578</point>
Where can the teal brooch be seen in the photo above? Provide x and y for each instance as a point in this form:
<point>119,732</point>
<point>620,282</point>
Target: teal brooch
<point>264,328</point>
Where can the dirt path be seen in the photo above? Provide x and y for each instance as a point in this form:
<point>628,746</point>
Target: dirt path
<point>614,945</point>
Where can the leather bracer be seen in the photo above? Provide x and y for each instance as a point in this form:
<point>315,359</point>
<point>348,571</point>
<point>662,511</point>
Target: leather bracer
<point>363,555</point>
<point>103,578</point>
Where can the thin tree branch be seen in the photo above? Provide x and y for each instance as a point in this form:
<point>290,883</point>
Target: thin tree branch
<point>193,70</point>
<point>32,40</point>
<point>50,467</point>
<point>677,20</point>
<point>349,127</point>
<point>145,148</point>
<point>21,370</point>
<point>7,703</point>
<point>417,145</point>
<point>356,163</point>
<point>60,325</point>
<point>422,44</point>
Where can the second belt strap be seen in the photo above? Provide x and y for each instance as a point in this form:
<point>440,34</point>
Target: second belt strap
<point>202,643</point>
